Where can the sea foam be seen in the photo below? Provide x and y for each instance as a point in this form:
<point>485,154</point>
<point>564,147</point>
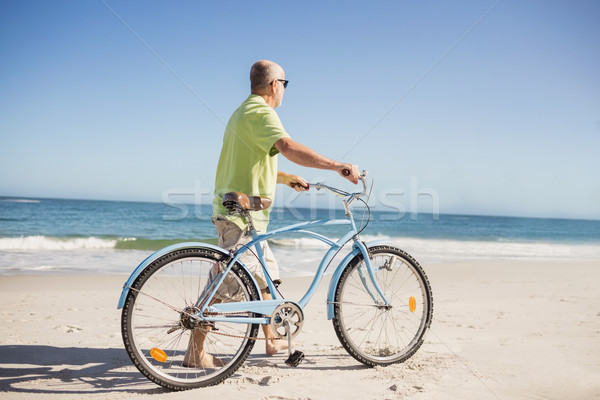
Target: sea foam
<point>51,243</point>
<point>448,250</point>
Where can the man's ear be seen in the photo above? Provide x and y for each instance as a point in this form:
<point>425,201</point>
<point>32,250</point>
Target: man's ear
<point>273,86</point>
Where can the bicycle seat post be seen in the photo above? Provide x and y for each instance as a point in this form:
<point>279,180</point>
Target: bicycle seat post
<point>251,231</point>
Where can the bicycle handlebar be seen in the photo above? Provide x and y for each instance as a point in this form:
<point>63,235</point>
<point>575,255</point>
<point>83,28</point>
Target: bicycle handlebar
<point>339,192</point>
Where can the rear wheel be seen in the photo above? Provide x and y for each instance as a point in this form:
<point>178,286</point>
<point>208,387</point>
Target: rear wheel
<point>157,321</point>
<point>375,333</point>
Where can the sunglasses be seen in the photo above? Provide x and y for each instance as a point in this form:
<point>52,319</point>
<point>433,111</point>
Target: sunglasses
<point>285,83</point>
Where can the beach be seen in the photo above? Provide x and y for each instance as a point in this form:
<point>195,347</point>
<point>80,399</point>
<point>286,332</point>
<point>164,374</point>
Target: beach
<point>501,330</point>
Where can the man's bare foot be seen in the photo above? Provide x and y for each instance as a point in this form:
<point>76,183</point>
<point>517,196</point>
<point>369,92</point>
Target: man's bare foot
<point>274,346</point>
<point>205,360</point>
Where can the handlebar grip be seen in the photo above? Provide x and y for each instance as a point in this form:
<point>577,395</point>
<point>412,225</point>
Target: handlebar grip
<point>297,184</point>
<point>346,172</point>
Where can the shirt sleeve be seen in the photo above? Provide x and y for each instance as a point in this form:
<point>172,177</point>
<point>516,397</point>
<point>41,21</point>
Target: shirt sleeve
<point>269,131</point>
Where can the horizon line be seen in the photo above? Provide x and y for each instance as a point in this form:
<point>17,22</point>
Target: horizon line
<point>455,213</point>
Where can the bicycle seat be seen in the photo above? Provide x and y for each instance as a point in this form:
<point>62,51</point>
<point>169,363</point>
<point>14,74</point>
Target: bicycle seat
<point>238,201</point>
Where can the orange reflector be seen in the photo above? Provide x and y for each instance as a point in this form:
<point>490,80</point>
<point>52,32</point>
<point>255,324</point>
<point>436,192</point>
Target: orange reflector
<point>158,354</point>
<point>412,304</point>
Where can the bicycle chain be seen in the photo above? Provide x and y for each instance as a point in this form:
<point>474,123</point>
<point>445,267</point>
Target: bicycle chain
<point>242,337</point>
<point>229,334</point>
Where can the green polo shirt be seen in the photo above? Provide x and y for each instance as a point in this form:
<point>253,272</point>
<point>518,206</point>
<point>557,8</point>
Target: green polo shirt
<point>248,161</point>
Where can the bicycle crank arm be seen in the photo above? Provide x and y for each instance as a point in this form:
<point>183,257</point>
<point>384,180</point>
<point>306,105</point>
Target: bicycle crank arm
<point>297,357</point>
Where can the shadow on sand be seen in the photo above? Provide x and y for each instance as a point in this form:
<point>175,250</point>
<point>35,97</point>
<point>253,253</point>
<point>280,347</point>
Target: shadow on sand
<point>83,370</point>
<point>69,370</point>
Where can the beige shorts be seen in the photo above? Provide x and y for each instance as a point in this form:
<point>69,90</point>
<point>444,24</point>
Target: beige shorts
<point>231,237</point>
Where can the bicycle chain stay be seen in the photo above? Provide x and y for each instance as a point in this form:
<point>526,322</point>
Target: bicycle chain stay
<point>230,335</point>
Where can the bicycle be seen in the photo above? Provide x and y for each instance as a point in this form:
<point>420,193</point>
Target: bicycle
<point>379,300</point>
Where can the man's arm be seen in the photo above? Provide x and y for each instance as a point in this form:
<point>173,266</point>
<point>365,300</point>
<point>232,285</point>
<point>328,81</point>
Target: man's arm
<point>305,156</point>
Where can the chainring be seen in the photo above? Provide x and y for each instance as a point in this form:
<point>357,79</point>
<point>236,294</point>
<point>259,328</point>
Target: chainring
<point>287,312</point>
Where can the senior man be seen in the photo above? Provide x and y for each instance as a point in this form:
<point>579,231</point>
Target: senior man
<point>253,138</point>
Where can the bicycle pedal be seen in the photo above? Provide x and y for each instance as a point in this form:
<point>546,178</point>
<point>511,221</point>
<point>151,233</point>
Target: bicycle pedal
<point>295,359</point>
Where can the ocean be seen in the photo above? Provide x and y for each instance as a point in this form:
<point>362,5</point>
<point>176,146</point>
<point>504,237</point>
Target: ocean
<point>58,236</point>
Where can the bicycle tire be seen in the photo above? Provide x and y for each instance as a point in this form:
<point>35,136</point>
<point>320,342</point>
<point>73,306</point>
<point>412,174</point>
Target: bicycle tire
<point>371,333</point>
<point>153,317</point>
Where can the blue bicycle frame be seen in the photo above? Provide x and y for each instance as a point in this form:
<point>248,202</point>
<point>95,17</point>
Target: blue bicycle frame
<point>218,311</point>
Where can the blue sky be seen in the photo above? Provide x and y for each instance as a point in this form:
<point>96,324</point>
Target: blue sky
<point>127,100</point>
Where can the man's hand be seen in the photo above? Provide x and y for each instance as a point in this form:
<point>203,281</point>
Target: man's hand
<point>351,170</point>
<point>296,182</point>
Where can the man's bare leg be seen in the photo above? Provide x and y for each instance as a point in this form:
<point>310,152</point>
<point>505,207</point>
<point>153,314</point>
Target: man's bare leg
<point>272,344</point>
<point>195,356</point>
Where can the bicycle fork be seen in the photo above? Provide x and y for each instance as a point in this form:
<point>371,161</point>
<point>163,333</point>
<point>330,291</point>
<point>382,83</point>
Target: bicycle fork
<point>370,270</point>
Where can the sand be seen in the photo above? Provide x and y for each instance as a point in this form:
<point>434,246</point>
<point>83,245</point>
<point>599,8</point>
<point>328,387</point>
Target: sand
<point>501,330</point>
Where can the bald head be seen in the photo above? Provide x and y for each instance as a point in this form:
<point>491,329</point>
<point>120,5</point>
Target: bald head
<point>263,72</point>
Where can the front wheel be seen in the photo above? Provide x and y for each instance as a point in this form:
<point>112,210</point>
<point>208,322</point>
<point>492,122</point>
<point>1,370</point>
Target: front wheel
<point>375,333</point>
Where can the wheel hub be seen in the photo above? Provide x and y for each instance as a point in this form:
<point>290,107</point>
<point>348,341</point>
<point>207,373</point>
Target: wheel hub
<point>188,320</point>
